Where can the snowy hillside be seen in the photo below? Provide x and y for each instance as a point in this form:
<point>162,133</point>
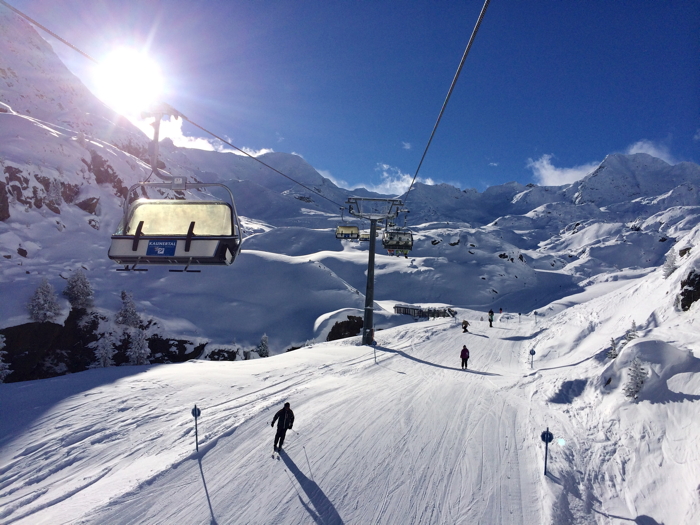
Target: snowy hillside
<point>408,438</point>
<point>601,278</point>
<point>67,160</point>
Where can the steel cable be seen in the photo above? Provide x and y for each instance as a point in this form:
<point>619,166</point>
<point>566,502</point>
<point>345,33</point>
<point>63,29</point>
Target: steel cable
<point>449,93</point>
<point>32,21</point>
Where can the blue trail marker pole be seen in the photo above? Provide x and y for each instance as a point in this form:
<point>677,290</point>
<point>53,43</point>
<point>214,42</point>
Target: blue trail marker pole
<point>532,357</point>
<point>196,413</point>
<point>547,437</point>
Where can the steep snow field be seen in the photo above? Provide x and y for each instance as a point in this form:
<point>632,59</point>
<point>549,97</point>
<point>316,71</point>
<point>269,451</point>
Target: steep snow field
<point>406,438</point>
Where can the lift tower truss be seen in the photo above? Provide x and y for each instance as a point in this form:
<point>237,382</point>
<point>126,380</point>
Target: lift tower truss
<point>373,210</point>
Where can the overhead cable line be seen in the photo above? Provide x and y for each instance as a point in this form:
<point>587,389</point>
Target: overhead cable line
<point>258,160</point>
<point>449,93</point>
<point>29,19</point>
<point>32,21</point>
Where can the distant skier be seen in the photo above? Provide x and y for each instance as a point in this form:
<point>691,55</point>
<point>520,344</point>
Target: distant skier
<point>465,326</point>
<point>490,318</point>
<point>465,357</point>
<point>285,420</point>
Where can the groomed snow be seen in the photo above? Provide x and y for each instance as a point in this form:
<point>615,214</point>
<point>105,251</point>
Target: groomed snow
<point>408,438</point>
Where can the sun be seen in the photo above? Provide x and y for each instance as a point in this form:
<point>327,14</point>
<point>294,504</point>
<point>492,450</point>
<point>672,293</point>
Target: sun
<point>128,81</point>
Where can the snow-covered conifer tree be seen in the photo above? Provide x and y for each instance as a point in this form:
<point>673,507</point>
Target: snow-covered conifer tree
<point>54,193</point>
<point>79,290</point>
<point>4,367</point>
<point>128,314</point>
<point>138,351</point>
<point>43,306</point>
<point>670,264</point>
<point>612,353</point>
<point>104,350</point>
<point>263,348</point>
<point>636,378</point>
<point>632,332</point>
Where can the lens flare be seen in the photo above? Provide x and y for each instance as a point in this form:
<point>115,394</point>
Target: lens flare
<point>128,81</point>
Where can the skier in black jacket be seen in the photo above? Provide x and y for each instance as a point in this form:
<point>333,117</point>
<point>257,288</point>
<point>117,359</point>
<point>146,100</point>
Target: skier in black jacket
<point>285,420</point>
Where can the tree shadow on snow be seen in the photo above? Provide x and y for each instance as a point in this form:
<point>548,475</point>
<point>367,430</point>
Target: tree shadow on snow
<point>31,400</point>
<point>407,356</point>
<point>324,513</point>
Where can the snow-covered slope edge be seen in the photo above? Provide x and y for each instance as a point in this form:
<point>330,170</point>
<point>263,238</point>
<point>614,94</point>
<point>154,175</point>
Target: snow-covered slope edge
<point>624,457</point>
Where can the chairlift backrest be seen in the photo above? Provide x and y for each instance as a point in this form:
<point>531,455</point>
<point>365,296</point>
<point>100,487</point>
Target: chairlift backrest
<point>397,239</point>
<point>173,217</point>
<point>347,232</point>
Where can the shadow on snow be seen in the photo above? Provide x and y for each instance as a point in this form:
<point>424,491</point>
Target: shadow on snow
<point>324,513</point>
<point>423,362</point>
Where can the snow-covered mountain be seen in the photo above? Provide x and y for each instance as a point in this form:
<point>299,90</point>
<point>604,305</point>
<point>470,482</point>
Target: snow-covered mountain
<point>397,434</point>
<point>67,161</point>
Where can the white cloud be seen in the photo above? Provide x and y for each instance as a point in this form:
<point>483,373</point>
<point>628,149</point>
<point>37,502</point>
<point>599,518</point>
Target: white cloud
<point>172,129</point>
<point>659,151</point>
<point>406,145</point>
<point>338,182</point>
<point>494,164</point>
<point>546,174</point>
<point>697,135</point>
<point>393,180</point>
<point>255,152</point>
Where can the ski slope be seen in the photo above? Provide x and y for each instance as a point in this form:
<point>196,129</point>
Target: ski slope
<point>411,438</point>
<point>405,436</point>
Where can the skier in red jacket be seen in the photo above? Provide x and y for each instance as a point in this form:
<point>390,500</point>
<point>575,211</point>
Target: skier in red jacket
<point>465,357</point>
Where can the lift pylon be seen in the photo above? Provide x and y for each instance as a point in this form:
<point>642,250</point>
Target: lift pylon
<point>373,210</point>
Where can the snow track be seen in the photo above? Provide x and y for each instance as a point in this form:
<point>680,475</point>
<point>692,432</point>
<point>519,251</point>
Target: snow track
<point>393,434</point>
<point>410,438</point>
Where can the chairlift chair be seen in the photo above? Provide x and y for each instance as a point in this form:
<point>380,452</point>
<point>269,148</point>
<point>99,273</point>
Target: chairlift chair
<point>397,241</point>
<point>177,232</point>
<point>347,232</point>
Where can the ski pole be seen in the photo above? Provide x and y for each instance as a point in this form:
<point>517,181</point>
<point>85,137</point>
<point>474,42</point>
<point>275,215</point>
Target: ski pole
<point>309,464</point>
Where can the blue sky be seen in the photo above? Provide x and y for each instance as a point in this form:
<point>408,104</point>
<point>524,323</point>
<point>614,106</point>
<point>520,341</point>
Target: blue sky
<point>549,89</point>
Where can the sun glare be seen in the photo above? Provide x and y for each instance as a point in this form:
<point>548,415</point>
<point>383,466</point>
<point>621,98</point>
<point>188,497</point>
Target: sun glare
<point>128,81</point>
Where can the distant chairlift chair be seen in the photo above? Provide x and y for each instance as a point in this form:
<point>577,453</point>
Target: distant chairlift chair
<point>398,241</point>
<point>347,232</point>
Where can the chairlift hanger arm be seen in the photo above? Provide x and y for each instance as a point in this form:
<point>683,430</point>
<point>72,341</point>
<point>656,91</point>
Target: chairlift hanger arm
<point>392,208</point>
